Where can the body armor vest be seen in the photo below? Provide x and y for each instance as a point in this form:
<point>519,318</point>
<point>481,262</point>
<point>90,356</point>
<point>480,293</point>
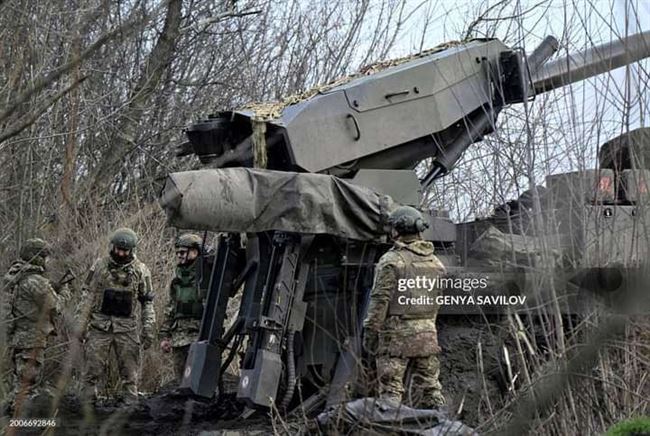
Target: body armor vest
<point>415,302</point>
<point>119,294</point>
<point>189,303</point>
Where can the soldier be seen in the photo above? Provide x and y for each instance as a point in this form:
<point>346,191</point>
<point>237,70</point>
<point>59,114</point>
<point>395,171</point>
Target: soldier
<point>30,304</point>
<point>115,284</point>
<point>185,307</point>
<point>400,336</point>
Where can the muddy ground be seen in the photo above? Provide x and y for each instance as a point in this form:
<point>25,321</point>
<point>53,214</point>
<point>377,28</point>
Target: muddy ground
<point>163,414</point>
<point>463,383</point>
<point>169,413</point>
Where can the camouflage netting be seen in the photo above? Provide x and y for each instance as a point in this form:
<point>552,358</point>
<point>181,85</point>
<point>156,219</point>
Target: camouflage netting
<point>259,143</point>
<point>267,111</point>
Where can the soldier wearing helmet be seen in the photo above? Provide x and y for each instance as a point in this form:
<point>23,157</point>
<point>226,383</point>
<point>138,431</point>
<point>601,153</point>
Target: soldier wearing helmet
<point>114,288</point>
<point>29,304</point>
<point>400,333</point>
<point>185,307</point>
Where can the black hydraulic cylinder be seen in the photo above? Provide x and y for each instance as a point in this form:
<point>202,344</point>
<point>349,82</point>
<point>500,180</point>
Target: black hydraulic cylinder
<point>448,157</point>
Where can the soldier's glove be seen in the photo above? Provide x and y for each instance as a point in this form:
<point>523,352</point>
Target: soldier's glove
<point>370,342</point>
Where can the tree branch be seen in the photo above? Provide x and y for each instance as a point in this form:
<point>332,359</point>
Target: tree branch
<point>156,65</point>
<point>64,69</point>
<point>205,23</point>
<point>35,115</point>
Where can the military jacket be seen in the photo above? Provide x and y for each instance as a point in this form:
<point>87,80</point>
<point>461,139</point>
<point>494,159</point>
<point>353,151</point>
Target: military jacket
<point>184,308</point>
<point>112,293</point>
<point>408,331</point>
<point>31,303</point>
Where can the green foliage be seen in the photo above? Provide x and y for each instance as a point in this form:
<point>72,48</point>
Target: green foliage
<point>631,427</point>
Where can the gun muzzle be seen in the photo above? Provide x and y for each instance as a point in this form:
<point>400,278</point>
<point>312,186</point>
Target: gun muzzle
<point>542,53</point>
<point>591,62</point>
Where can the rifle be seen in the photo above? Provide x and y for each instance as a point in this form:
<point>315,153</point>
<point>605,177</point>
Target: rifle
<point>67,277</point>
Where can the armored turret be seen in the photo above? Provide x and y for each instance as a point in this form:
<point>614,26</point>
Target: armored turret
<point>313,235</point>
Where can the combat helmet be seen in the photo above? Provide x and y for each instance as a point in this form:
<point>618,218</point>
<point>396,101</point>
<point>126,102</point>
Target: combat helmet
<point>189,240</point>
<point>124,238</point>
<point>407,220</point>
<point>35,251</point>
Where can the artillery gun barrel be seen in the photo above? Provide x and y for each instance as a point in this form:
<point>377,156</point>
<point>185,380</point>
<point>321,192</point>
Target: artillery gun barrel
<point>591,62</point>
<point>432,106</point>
<point>547,76</point>
<point>542,53</point>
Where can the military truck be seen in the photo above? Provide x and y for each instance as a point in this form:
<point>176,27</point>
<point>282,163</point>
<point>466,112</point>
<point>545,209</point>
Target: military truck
<point>300,193</point>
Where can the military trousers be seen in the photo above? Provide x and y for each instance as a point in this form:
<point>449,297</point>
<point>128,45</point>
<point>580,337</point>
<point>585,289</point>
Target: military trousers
<point>97,349</point>
<point>179,355</point>
<point>414,380</point>
<point>27,371</point>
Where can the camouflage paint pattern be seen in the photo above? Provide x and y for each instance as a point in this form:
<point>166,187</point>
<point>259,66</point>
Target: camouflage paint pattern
<point>180,329</point>
<point>404,343</point>
<point>122,333</point>
<point>30,304</point>
<point>412,380</point>
<point>97,350</point>
<point>179,356</point>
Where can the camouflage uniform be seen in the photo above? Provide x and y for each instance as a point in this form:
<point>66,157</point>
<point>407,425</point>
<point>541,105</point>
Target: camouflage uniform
<point>183,314</point>
<point>405,343</point>
<point>110,295</point>
<point>30,303</point>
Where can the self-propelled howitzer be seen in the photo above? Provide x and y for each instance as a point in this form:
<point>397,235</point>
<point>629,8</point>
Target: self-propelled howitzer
<point>312,237</point>
<point>433,106</point>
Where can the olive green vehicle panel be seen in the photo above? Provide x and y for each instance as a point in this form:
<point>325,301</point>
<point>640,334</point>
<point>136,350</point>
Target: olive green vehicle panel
<point>389,108</point>
<point>246,200</point>
<point>616,236</point>
<point>434,107</point>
